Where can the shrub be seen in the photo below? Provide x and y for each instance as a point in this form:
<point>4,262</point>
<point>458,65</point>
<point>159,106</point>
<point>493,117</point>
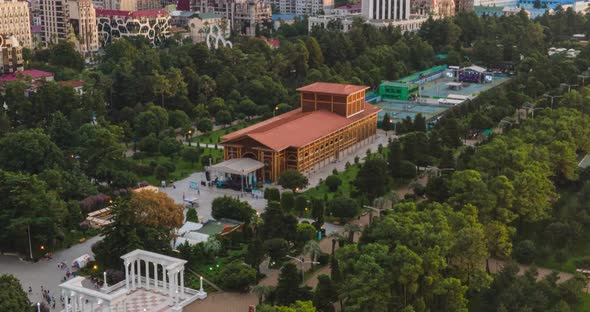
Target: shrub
<point>583,263</point>
<point>169,166</point>
<point>191,215</point>
<point>333,182</point>
<point>277,249</point>
<point>149,144</point>
<point>161,173</point>
<point>237,276</point>
<point>343,208</point>
<point>231,208</point>
<point>525,252</point>
<point>272,194</point>
<point>143,170</point>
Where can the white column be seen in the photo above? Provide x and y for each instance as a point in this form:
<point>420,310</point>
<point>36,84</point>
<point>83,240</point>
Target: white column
<point>147,275</point>
<point>176,292</point>
<point>92,306</point>
<point>182,281</point>
<point>132,272</point>
<point>164,273</point>
<point>72,298</point>
<point>66,300</point>
<point>170,290</point>
<point>395,9</point>
<point>126,275</point>
<point>138,273</point>
<point>388,13</point>
<point>155,276</point>
<point>378,4</point>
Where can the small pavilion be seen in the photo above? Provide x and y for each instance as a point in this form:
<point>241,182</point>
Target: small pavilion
<point>153,282</point>
<point>244,168</point>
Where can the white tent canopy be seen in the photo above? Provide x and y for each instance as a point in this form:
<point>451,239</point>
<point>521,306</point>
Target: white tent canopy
<point>239,166</point>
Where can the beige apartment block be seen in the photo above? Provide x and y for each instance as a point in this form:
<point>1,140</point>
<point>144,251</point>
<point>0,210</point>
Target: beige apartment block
<point>15,21</point>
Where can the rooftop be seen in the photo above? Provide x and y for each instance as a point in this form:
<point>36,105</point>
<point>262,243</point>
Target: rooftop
<point>350,7</point>
<point>332,88</point>
<point>34,73</point>
<point>297,128</point>
<point>72,83</point>
<point>132,14</point>
<point>428,72</point>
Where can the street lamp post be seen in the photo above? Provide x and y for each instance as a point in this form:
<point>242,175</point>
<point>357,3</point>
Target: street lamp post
<point>569,86</point>
<point>275,110</point>
<point>302,262</point>
<point>30,246</point>
<point>552,97</point>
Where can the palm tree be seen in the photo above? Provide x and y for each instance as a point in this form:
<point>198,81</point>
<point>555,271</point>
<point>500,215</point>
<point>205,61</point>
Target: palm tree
<point>262,291</point>
<point>312,248</point>
<point>352,228</point>
<point>212,246</point>
<point>337,237</point>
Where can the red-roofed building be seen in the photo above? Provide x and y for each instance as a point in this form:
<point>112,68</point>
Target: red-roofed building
<point>77,85</point>
<point>348,9</point>
<point>34,74</point>
<point>332,119</point>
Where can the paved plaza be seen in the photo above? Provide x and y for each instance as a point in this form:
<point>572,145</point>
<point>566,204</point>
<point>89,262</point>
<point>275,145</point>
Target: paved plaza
<point>45,272</point>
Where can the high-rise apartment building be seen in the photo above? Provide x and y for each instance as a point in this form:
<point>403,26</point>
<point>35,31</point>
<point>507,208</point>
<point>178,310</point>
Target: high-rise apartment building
<point>15,21</point>
<point>11,55</point>
<point>131,5</point>
<point>386,9</point>
<point>244,15</point>
<point>55,21</point>
<point>73,20</point>
<point>301,7</point>
<point>463,6</point>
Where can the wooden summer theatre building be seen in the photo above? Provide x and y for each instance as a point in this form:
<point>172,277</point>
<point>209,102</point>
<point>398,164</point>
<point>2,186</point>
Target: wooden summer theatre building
<point>332,119</point>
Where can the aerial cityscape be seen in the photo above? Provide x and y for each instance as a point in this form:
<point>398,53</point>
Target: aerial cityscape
<point>294,155</point>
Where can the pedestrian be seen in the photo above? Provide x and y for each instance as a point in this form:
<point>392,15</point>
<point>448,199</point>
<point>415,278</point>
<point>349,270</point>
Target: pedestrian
<point>30,290</point>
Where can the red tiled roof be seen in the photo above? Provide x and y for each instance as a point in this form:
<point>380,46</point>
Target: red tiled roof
<point>297,128</point>
<point>34,73</point>
<point>332,88</point>
<point>72,83</point>
<point>350,7</point>
<point>132,14</point>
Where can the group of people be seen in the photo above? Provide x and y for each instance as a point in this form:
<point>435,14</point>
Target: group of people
<point>48,297</point>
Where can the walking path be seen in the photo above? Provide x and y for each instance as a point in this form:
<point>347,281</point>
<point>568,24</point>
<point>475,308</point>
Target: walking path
<point>44,273</point>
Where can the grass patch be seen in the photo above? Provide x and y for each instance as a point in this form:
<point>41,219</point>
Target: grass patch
<point>347,177</point>
<point>585,304</point>
<point>213,137</point>
<point>183,168</point>
<point>573,254</point>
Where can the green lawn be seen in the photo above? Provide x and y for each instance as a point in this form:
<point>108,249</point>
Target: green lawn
<point>576,253</point>
<point>584,306</point>
<point>347,177</point>
<point>183,168</point>
<point>213,136</point>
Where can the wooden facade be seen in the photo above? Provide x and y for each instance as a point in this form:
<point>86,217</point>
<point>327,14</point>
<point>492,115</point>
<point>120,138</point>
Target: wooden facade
<point>359,125</point>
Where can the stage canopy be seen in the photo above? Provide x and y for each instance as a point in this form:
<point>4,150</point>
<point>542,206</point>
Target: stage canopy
<point>239,166</point>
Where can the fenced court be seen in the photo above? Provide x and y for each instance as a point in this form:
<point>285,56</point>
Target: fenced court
<point>399,110</point>
<point>431,92</point>
<point>438,88</point>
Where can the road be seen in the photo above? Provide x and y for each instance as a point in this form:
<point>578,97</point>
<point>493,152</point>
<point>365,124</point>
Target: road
<point>44,273</point>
